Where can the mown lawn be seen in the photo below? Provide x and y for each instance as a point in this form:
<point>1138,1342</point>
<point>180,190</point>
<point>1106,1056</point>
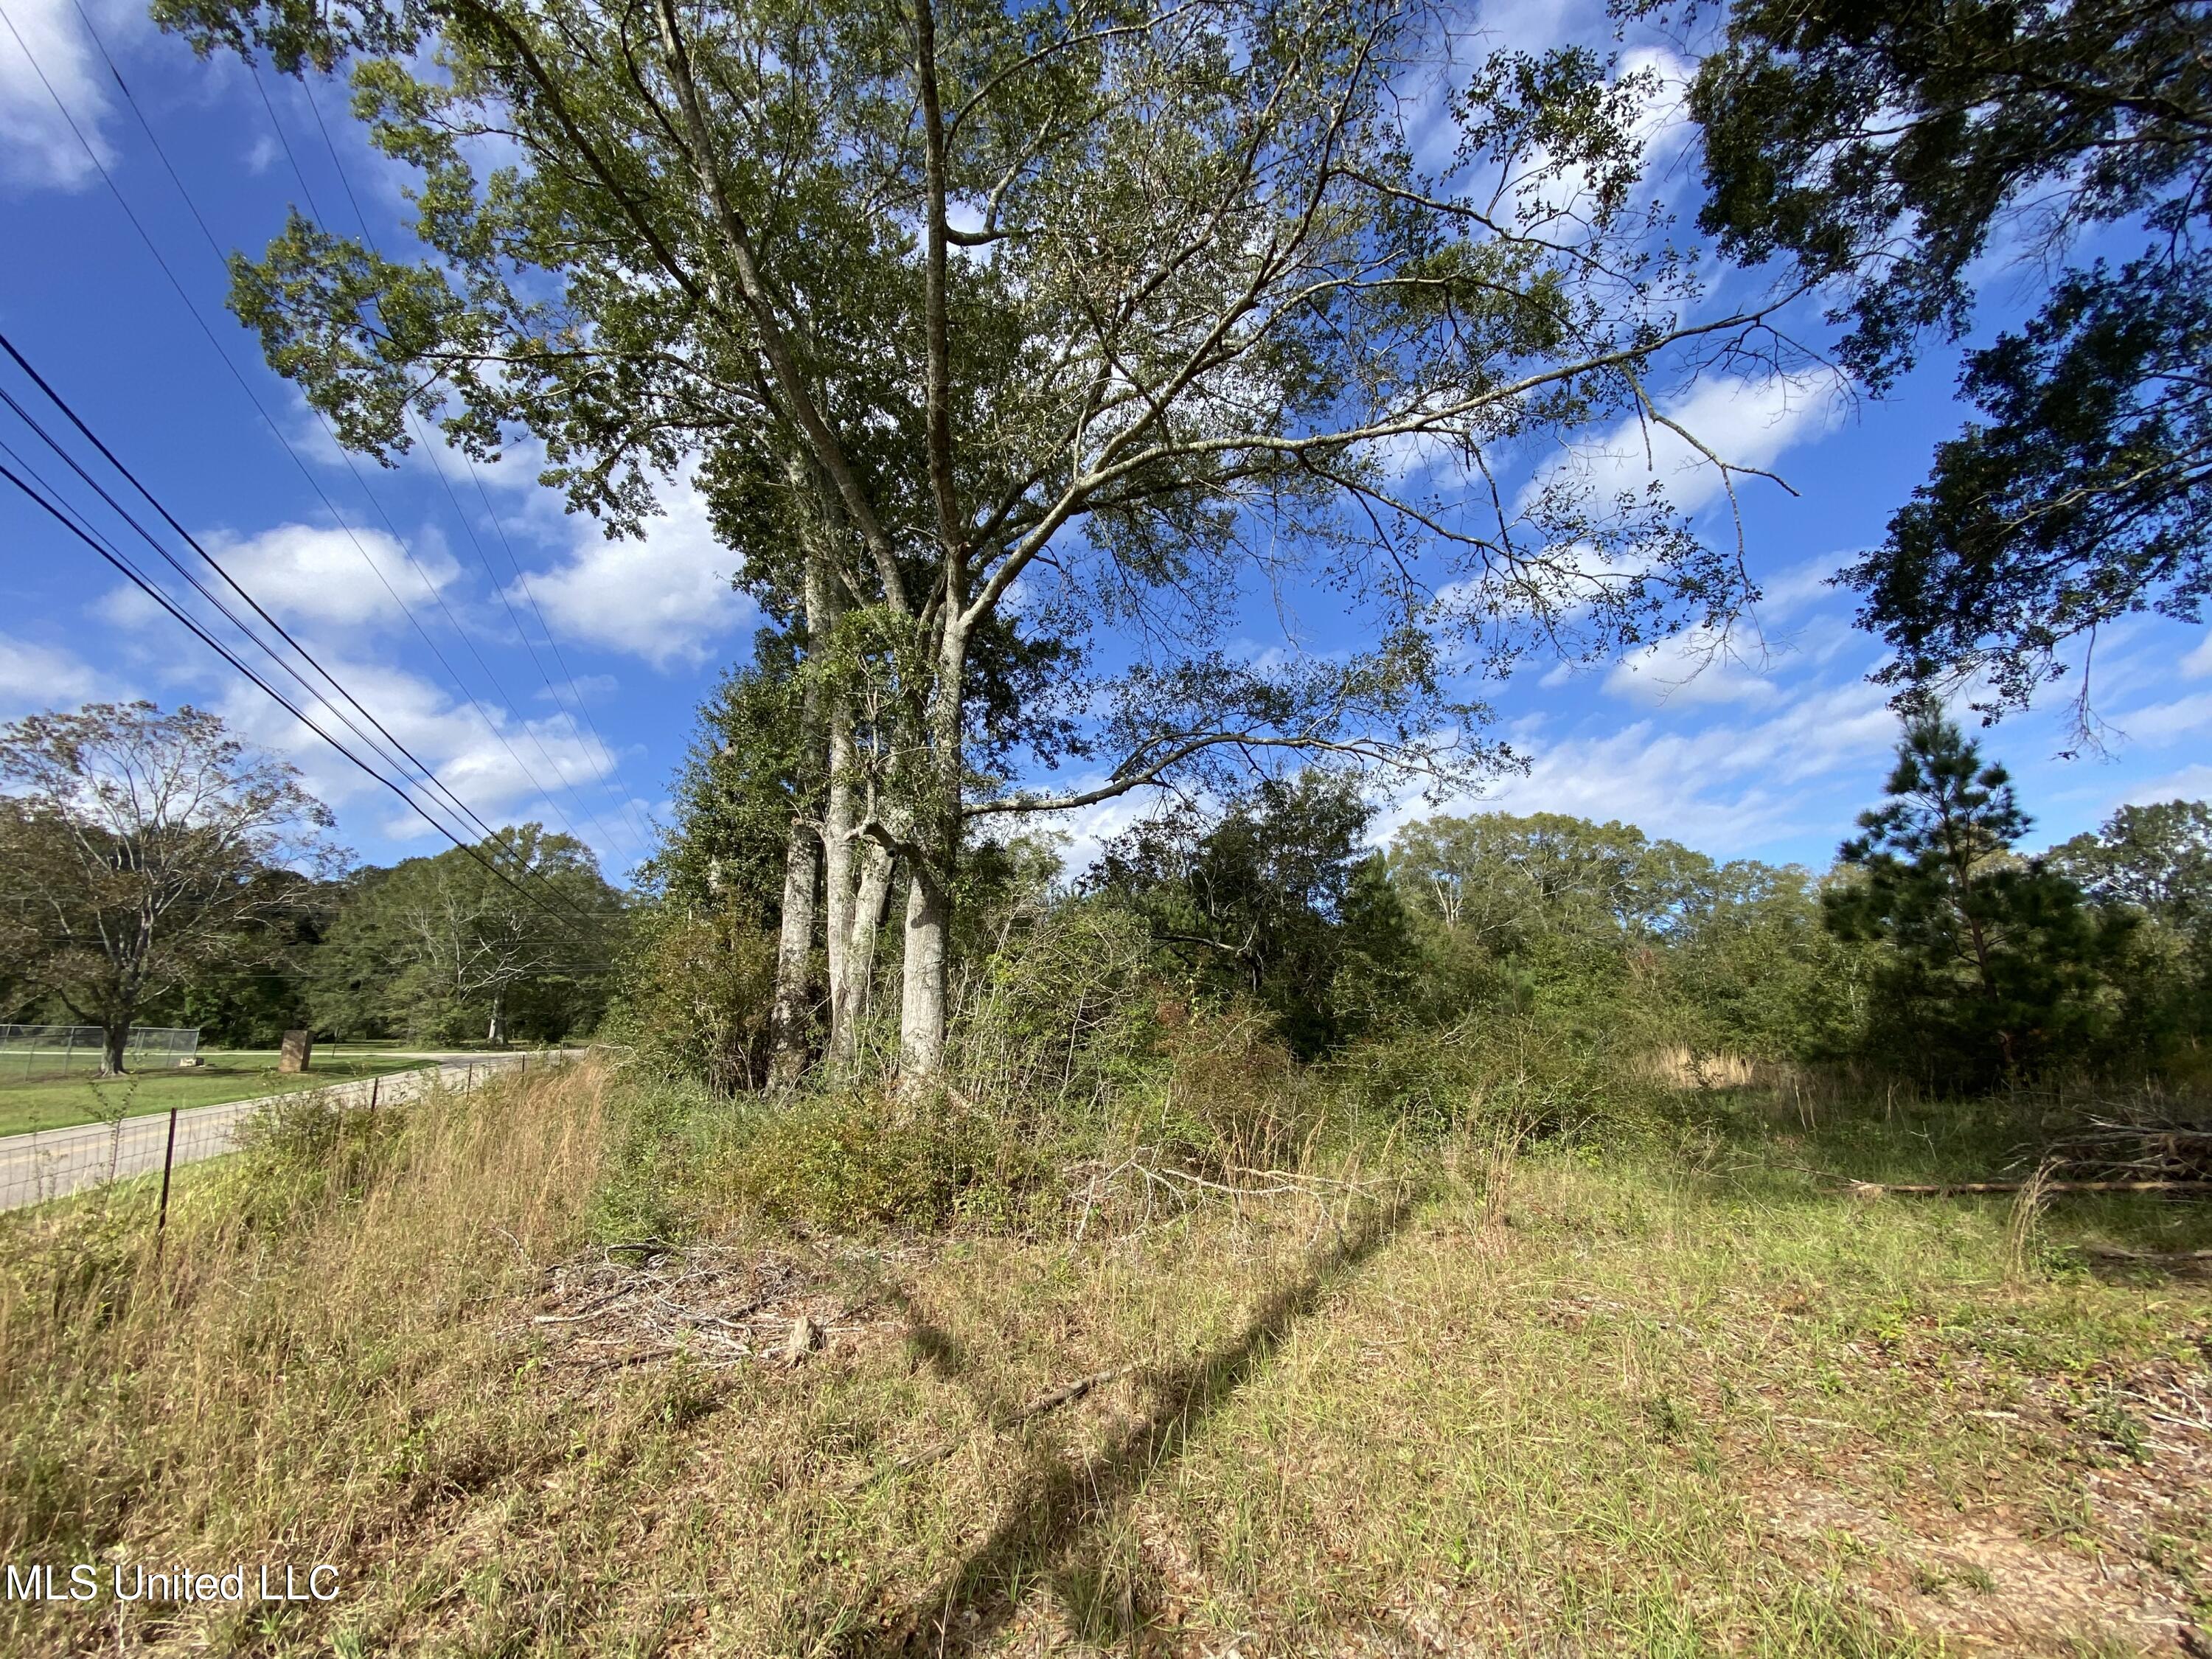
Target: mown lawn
<point>1682,1397</point>
<point>229,1074</point>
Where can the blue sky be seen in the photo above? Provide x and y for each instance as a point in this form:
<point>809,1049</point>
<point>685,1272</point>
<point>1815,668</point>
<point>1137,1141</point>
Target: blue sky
<point>548,672</point>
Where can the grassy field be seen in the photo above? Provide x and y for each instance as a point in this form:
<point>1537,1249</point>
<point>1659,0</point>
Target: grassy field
<point>229,1074</point>
<point>1685,1397</point>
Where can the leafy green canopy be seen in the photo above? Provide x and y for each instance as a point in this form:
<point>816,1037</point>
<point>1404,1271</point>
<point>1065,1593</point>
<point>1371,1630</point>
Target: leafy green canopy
<point>2153,864</point>
<point>143,853</point>
<point>1057,313</point>
<point>1612,933</point>
<point>1886,149</point>
<point>440,949</point>
<point>1274,897</point>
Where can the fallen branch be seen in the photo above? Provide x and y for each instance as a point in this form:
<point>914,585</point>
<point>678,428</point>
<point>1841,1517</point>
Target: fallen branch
<point>1964,1188</point>
<point>1065,1394</point>
<point>2147,1258</point>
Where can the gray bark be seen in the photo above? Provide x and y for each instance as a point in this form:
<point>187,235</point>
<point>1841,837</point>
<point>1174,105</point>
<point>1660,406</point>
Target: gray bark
<point>841,877</point>
<point>922,982</point>
<point>794,949</point>
<point>856,991</point>
<point>936,836</point>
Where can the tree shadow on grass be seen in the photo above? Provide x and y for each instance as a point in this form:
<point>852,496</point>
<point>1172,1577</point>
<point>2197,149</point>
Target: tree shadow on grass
<point>1059,1504</point>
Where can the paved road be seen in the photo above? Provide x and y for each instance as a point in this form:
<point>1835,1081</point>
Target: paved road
<point>54,1163</point>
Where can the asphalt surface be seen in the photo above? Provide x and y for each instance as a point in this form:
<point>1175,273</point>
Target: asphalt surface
<point>49,1163</point>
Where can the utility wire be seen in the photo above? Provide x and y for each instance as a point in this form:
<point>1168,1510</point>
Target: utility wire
<point>306,473</point>
<point>62,515</point>
<point>461,807</point>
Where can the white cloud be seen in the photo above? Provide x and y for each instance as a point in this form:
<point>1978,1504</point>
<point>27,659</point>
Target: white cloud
<point>2198,663</point>
<point>667,597</point>
<point>1746,423</point>
<point>41,677</point>
<point>37,151</point>
<point>506,768</point>
<point>1698,665</point>
<point>2190,783</point>
<point>1727,786</point>
<point>579,692</point>
<point>2166,722</point>
<point>342,578</point>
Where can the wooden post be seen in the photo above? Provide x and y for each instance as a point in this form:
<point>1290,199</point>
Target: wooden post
<point>168,1158</point>
<point>374,1083</point>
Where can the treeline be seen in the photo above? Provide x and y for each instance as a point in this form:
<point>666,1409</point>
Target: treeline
<point>155,870</point>
<point>1934,949</point>
<point>436,950</point>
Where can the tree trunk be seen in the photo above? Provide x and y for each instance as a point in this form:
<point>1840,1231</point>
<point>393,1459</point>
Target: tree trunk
<point>858,992</point>
<point>936,833</point>
<point>497,1034</point>
<point>833,722</point>
<point>794,950</point>
<point>841,879</point>
<point>802,859</point>
<point>114,1040</point>
<point>922,984</point>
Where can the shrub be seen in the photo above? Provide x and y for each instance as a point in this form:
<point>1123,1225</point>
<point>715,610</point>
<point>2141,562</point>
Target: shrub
<point>861,1160</point>
<point>697,990</point>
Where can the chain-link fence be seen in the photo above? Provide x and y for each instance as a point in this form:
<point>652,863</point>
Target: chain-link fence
<point>51,1164</point>
<point>28,1051</point>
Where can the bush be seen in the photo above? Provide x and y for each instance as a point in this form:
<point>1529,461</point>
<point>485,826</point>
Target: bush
<point>697,990</point>
<point>1520,1071</point>
<point>859,1161</point>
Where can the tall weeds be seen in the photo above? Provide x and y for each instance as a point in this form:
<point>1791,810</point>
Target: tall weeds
<point>306,1346</point>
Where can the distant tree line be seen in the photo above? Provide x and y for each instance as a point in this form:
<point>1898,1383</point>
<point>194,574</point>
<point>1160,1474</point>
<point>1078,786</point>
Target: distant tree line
<point>156,870</point>
<point>1932,948</point>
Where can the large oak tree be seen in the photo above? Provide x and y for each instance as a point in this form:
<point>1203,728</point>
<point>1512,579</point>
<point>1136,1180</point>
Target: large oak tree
<point>1008,322</point>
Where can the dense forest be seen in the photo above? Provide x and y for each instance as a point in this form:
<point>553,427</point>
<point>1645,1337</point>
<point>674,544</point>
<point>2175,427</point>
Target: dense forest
<point>1935,948</point>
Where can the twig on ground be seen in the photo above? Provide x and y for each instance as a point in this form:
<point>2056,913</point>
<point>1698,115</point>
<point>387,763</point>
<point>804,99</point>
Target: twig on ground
<point>1967,1189</point>
<point>1066,1393</point>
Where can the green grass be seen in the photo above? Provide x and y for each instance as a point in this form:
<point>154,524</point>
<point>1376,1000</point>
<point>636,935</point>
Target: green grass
<point>1672,1396</point>
<point>228,1075</point>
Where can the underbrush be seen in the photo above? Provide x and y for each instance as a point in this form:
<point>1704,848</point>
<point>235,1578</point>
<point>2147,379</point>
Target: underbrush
<point>1201,1100</point>
<point>1551,1358</point>
<point>299,1360</point>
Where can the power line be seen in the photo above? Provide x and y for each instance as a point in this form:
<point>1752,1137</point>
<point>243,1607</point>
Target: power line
<point>60,512</point>
<point>467,815</point>
<point>315,484</point>
<point>461,807</point>
<point>575,707</point>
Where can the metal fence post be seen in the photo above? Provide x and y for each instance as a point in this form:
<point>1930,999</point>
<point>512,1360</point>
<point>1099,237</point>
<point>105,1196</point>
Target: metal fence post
<point>168,1160</point>
<point>374,1084</point>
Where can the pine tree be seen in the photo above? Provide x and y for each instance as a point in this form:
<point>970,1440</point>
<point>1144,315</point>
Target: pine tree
<point>1995,968</point>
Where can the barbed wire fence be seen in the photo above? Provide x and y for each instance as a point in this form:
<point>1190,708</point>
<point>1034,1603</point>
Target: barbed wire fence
<point>43,1165</point>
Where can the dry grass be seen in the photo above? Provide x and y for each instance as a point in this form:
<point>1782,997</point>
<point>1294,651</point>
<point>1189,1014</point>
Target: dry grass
<point>1522,1400</point>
